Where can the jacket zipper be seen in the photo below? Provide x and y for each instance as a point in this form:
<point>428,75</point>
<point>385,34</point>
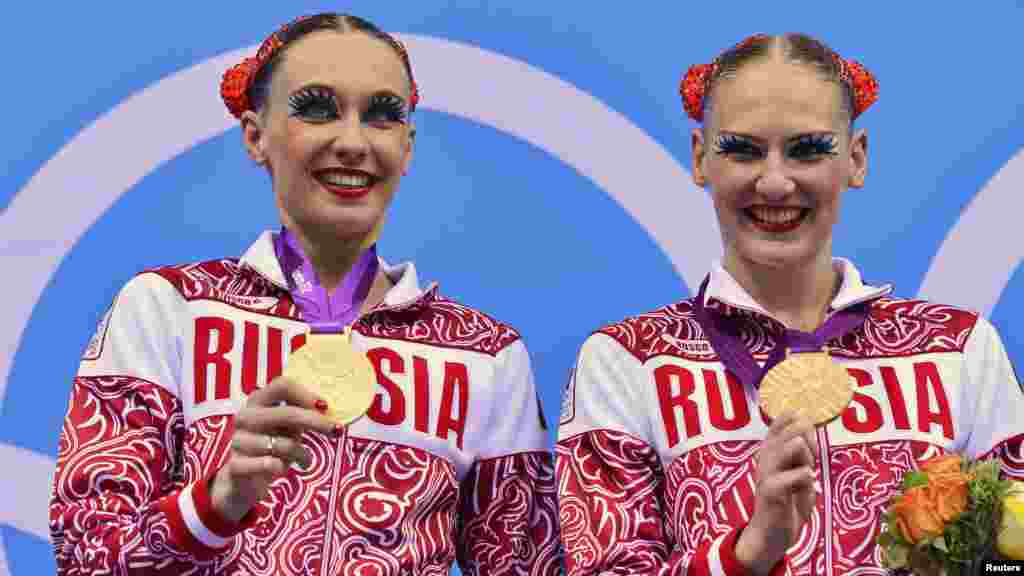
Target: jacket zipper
<point>826,488</point>
<point>339,452</point>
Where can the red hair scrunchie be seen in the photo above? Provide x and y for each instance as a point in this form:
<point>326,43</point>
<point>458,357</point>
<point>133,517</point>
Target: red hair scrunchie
<point>861,82</point>
<point>692,89</point>
<point>235,84</point>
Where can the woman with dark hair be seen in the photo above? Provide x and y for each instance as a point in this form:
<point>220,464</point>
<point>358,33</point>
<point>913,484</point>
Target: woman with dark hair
<point>762,425</point>
<point>307,408</point>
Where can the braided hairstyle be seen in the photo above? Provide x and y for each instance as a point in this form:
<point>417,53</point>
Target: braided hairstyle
<point>246,85</point>
<point>858,87</point>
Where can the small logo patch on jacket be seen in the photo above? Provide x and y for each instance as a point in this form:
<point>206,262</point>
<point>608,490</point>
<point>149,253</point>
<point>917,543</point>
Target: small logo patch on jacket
<point>689,346</point>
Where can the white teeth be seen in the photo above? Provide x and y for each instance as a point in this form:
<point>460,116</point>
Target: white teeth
<point>345,179</point>
<point>776,215</point>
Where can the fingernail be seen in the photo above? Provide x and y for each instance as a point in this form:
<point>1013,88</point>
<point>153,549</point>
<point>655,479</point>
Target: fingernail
<point>338,431</point>
<point>321,405</point>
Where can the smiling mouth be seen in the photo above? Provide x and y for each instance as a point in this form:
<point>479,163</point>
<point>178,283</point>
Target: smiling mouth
<point>346,183</point>
<point>777,218</point>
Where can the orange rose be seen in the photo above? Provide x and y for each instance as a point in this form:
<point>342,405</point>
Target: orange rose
<point>945,464</point>
<point>916,516</point>
<point>948,494</point>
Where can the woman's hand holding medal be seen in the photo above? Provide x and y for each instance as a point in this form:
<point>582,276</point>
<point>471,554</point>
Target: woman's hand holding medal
<point>784,497</point>
<point>326,384</point>
<point>266,442</point>
<point>799,387</point>
<point>803,391</point>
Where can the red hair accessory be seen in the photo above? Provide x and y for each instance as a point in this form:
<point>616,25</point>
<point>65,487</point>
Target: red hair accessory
<point>861,82</point>
<point>698,77</point>
<point>694,85</point>
<point>235,84</point>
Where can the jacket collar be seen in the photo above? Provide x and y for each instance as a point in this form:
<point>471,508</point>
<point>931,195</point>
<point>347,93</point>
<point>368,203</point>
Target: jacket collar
<point>852,289</point>
<point>405,292</point>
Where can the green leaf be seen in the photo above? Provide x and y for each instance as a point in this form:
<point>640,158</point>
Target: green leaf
<point>914,478</point>
<point>940,543</point>
<point>896,557</point>
<point>987,470</point>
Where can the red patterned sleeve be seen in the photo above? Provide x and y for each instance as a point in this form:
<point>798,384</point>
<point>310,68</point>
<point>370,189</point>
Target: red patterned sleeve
<point>120,504</point>
<point>614,519</point>
<point>115,507</point>
<point>612,507</point>
<point>508,520</point>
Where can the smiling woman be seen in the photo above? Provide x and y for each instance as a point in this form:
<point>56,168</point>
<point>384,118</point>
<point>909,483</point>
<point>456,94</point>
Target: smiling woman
<point>339,126</point>
<point>779,152</point>
<point>306,407</point>
<point>761,426</point>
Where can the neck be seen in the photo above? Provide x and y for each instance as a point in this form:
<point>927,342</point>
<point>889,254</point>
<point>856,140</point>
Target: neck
<point>331,259</point>
<point>796,296</point>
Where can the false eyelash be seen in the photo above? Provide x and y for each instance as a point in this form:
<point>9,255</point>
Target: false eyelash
<point>389,106</point>
<point>815,145</point>
<point>314,96</point>
<point>732,144</point>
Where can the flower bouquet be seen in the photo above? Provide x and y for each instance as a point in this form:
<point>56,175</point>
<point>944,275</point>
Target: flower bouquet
<point>952,517</point>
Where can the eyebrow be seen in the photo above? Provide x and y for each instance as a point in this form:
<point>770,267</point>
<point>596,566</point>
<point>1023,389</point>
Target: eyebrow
<point>329,88</point>
<point>793,138</point>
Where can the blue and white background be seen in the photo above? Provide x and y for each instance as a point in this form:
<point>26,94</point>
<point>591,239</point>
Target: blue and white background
<point>550,186</point>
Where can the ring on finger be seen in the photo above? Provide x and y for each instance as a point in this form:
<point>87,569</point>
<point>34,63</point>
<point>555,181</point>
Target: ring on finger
<point>271,439</point>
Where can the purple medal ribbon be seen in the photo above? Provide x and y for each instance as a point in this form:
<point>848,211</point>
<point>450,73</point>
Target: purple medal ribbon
<point>325,313</point>
<point>738,360</point>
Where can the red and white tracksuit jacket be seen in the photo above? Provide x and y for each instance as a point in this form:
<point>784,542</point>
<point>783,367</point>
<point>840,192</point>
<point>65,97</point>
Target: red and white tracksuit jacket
<point>655,459</point>
<point>449,463</point>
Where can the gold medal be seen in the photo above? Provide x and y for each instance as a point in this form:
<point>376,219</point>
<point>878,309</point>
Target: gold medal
<point>340,374</point>
<point>809,384</point>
